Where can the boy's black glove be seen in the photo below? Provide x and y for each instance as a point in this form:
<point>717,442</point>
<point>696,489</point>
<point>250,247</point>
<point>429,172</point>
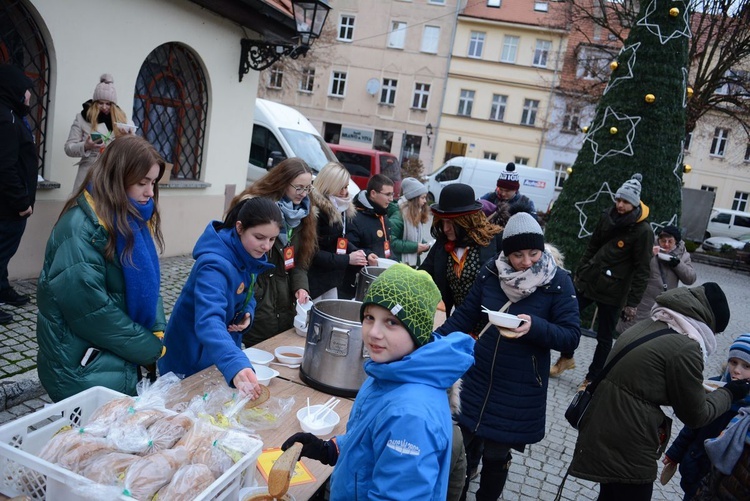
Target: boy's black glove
<point>739,388</point>
<point>674,261</point>
<point>313,447</point>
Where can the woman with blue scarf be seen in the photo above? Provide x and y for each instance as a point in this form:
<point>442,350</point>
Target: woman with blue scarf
<point>277,290</point>
<point>216,304</point>
<point>100,310</point>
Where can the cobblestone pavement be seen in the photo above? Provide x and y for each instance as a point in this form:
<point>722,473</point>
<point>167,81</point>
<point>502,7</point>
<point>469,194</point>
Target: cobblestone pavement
<point>535,474</point>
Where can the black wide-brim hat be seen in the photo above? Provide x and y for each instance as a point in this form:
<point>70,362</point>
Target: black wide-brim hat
<point>456,200</point>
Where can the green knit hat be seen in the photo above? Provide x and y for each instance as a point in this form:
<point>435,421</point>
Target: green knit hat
<point>408,294</point>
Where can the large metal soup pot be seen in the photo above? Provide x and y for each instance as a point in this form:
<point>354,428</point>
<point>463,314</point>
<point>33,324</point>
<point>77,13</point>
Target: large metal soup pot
<point>365,278</point>
<point>334,351</point>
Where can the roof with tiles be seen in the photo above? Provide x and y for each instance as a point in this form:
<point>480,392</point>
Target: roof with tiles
<point>520,12</point>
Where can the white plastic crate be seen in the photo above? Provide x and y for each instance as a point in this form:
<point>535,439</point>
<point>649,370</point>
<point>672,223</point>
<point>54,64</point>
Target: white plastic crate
<point>23,472</point>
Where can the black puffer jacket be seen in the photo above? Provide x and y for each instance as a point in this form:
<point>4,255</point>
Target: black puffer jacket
<point>18,161</point>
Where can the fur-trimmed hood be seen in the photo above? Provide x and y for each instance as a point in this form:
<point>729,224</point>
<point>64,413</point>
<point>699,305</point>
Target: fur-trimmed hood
<point>324,205</point>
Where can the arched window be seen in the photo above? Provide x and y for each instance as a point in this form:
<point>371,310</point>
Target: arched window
<point>170,107</point>
<point>22,44</point>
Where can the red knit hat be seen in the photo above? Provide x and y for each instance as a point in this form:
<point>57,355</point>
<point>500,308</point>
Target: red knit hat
<point>508,179</point>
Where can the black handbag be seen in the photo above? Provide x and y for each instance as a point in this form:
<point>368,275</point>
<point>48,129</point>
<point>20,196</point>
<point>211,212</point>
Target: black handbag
<point>582,398</point>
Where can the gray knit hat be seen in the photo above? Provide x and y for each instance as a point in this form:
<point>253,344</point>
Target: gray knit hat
<point>522,232</point>
<point>412,188</point>
<point>741,348</point>
<point>630,191</point>
<point>105,89</point>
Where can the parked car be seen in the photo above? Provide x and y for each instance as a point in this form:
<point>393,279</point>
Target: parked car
<point>362,164</point>
<point>728,223</point>
<point>716,244</point>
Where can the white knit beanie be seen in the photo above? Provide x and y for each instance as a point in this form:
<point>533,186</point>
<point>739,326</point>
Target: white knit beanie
<point>522,232</point>
<point>105,89</point>
<point>412,188</point>
<point>630,191</point>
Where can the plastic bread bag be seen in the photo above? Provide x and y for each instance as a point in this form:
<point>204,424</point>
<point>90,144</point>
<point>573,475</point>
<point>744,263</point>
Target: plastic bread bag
<point>187,484</point>
<point>202,442</point>
<point>165,433</point>
<point>266,416</point>
<point>103,417</point>
<point>158,393</point>
<point>110,468</point>
<point>64,441</point>
<point>87,451</point>
<point>236,444</point>
<point>130,433</point>
<point>146,476</point>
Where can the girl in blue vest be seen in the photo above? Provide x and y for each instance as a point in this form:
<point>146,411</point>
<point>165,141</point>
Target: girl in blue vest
<point>216,304</point>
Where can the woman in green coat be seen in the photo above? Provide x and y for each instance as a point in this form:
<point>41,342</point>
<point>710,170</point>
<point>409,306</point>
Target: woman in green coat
<point>100,313</point>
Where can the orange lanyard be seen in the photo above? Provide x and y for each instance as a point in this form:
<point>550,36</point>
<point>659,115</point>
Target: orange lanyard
<point>385,233</point>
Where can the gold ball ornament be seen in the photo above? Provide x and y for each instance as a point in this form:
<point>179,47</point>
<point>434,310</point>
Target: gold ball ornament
<point>686,168</point>
<point>674,12</point>
<point>569,170</point>
<point>689,92</point>
<point>585,129</point>
<point>613,130</point>
<point>613,65</point>
<point>650,98</point>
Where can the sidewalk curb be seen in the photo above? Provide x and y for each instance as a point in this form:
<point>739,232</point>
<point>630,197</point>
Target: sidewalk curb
<point>19,389</point>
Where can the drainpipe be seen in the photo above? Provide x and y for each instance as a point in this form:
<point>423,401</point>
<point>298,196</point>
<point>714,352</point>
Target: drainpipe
<point>549,103</point>
<point>445,81</point>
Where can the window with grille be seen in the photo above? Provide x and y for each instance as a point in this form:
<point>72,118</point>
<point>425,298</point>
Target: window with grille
<point>346,28</point>
<point>421,96</point>
<point>571,118</point>
<point>497,111</point>
<point>465,102</point>
<point>530,109</point>
<point>338,83</point>
<point>740,203</point>
<point>307,82</point>
<point>490,155</point>
<point>719,142</point>
<point>388,92</point>
<point>561,174</point>
<point>541,53</point>
<point>510,49</point>
<point>705,187</point>
<point>170,107</point>
<point>476,44</point>
<point>521,161</point>
<point>22,44</point>
<point>276,78</point>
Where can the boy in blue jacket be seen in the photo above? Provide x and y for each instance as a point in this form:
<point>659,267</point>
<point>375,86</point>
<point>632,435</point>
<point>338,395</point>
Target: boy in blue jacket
<point>688,448</point>
<point>398,439</point>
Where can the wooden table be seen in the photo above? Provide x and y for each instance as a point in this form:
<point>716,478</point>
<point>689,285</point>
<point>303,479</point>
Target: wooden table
<point>287,384</point>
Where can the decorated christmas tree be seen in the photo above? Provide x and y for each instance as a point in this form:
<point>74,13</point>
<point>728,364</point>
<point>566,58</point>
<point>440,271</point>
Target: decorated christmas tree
<point>639,127</point>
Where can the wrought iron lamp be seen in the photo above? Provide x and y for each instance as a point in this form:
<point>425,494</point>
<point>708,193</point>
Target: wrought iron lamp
<point>428,132</point>
<point>310,16</point>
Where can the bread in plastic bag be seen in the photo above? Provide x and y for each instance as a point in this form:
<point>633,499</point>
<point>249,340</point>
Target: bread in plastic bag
<point>109,469</point>
<point>187,484</point>
<point>146,476</point>
<point>78,457</point>
<point>165,433</point>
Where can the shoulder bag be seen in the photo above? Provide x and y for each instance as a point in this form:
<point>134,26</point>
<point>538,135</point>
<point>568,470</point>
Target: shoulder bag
<point>581,400</point>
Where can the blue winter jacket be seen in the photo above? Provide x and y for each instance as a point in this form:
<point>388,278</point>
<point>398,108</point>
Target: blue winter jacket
<point>216,290</point>
<point>504,394</point>
<point>399,435</point>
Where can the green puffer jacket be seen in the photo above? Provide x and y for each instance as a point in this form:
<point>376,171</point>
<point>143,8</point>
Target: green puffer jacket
<point>274,294</point>
<point>614,269</point>
<point>619,436</point>
<point>81,301</point>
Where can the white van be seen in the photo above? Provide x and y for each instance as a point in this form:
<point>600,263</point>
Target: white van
<point>537,184</point>
<point>281,132</point>
<point>728,223</point>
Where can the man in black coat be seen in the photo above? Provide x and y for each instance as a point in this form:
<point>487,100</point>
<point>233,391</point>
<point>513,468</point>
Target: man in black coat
<point>370,229</point>
<point>18,175</point>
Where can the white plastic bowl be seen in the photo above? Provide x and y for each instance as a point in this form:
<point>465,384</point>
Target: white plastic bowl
<point>258,357</point>
<point>300,325</point>
<point>504,319</point>
<point>318,427</point>
<point>289,354</point>
<point>664,256</point>
<point>265,374</point>
<point>712,385</point>
<point>385,263</point>
<point>127,127</point>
